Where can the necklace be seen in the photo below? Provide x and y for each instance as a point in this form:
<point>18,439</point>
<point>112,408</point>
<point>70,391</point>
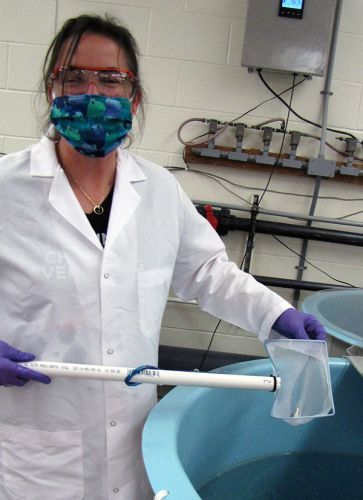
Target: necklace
<point>97,207</point>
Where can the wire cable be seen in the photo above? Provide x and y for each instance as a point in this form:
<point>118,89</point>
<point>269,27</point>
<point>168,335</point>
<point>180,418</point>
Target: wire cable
<point>310,264</point>
<point>259,72</point>
<point>206,352</point>
<point>276,96</point>
<point>213,177</point>
<point>282,243</point>
<point>219,131</point>
<point>255,188</point>
<point>350,215</point>
<point>282,142</point>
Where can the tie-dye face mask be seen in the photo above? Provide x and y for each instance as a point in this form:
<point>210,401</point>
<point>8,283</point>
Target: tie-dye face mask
<point>94,125</point>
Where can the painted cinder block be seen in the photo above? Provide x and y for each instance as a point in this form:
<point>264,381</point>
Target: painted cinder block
<point>217,88</point>
<point>25,21</point>
<point>160,79</point>
<point>19,110</point>
<point>351,18</point>
<point>134,18</point>
<point>3,64</point>
<point>188,36</point>
<point>232,8</point>
<point>348,55</point>
<point>178,5</point>
<point>25,66</point>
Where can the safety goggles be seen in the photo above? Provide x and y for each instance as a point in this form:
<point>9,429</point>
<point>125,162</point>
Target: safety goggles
<point>109,81</point>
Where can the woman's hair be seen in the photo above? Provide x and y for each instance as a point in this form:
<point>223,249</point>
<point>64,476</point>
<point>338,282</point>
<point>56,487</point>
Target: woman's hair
<point>72,31</point>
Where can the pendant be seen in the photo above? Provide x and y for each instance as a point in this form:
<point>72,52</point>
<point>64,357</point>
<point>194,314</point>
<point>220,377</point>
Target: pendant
<point>98,209</point>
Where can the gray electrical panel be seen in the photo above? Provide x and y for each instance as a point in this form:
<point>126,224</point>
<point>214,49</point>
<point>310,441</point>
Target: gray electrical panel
<point>286,44</point>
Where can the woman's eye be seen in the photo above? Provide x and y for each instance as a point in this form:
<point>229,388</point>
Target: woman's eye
<point>109,79</point>
<point>73,78</point>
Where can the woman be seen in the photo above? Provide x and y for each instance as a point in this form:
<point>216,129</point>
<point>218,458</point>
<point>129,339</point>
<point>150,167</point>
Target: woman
<point>93,238</point>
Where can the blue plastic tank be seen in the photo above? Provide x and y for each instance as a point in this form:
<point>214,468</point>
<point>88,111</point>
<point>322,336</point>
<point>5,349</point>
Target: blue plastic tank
<point>340,311</point>
<point>222,444</point>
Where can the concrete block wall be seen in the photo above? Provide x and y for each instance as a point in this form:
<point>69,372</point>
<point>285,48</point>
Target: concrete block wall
<point>190,57</point>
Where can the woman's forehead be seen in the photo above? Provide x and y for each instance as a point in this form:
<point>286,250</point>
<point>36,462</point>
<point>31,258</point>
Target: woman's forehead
<point>94,50</point>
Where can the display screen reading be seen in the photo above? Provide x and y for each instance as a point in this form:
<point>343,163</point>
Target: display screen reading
<point>291,8</point>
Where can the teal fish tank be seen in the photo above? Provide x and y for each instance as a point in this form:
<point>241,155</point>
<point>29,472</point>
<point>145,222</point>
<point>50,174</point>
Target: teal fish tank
<point>223,444</point>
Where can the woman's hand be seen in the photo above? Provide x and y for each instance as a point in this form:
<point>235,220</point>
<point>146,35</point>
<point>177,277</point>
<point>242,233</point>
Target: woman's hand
<point>295,324</point>
<point>11,373</point>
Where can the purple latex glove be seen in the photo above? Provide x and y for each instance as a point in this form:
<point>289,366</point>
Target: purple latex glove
<point>294,324</point>
<point>13,374</point>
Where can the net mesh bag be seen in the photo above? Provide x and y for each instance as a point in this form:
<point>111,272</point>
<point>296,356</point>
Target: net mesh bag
<point>303,367</point>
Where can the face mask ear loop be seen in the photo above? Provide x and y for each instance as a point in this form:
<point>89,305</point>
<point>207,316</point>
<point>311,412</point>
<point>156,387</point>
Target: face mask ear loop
<point>125,146</point>
<point>50,93</point>
<point>135,101</point>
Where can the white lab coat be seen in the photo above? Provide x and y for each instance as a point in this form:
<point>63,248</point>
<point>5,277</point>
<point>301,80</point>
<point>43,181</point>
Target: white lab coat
<point>63,297</point>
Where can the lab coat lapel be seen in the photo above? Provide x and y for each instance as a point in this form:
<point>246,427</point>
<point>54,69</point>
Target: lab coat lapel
<point>125,198</point>
<point>64,201</point>
<point>44,163</point>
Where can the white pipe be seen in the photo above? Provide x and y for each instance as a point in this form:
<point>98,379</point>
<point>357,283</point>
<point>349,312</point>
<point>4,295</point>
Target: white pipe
<point>161,495</point>
<point>156,376</point>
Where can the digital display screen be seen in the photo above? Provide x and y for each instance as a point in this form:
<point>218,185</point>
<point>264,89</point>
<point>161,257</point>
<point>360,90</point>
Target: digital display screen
<point>292,4</point>
<point>291,8</point>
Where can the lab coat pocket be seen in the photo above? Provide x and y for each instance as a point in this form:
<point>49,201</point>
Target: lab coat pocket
<point>37,464</point>
<point>153,286</point>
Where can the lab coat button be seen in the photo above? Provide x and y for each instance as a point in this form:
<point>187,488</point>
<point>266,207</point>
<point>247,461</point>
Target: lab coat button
<point>106,276</point>
<point>116,490</point>
<point>109,351</point>
<point>113,423</point>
